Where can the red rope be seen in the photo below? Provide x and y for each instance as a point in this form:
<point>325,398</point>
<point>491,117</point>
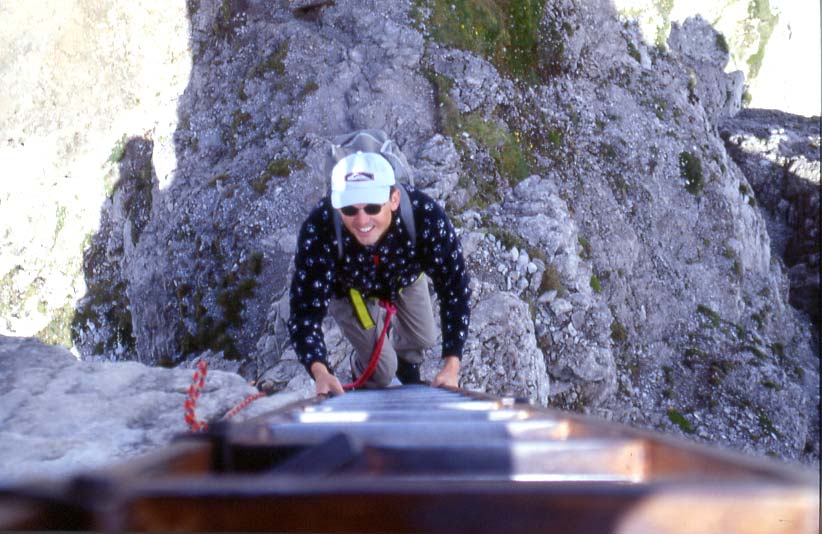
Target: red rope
<point>197,384</point>
<point>246,401</point>
<point>198,380</point>
<point>390,310</point>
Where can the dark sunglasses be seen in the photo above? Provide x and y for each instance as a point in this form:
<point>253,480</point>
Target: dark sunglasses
<point>370,209</point>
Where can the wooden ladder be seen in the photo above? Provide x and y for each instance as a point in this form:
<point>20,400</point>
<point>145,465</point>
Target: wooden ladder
<point>420,459</point>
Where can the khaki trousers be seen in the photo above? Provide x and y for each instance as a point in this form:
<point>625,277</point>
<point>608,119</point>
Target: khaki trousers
<point>411,331</point>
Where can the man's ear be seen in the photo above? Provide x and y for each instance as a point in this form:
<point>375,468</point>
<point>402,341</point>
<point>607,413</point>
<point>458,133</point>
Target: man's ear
<point>395,199</point>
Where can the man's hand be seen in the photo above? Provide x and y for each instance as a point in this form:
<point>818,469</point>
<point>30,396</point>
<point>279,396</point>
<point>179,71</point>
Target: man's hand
<point>449,375</point>
<point>325,382</point>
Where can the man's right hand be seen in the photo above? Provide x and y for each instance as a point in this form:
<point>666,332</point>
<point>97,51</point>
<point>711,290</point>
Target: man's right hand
<point>324,381</point>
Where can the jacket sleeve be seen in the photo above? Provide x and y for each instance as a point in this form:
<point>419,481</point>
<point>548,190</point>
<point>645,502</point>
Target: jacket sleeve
<point>311,288</point>
<point>445,265</point>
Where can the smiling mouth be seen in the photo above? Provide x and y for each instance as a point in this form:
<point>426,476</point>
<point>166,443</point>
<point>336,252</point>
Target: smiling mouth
<point>365,229</point>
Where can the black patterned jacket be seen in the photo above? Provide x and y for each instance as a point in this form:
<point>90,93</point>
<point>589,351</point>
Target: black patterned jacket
<point>379,271</point>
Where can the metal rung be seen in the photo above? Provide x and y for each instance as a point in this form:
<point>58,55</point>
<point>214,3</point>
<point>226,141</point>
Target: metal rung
<point>412,414</point>
<point>392,433</point>
<point>398,397</point>
<point>594,459</point>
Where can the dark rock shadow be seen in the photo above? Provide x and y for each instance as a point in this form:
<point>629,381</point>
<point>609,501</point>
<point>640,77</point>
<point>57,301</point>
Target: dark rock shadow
<point>775,153</point>
<point>102,324</point>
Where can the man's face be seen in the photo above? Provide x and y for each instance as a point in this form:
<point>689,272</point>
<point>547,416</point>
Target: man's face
<point>368,229</point>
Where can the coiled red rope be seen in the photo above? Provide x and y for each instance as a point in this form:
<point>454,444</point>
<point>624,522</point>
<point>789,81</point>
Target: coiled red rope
<point>390,310</point>
<point>197,384</point>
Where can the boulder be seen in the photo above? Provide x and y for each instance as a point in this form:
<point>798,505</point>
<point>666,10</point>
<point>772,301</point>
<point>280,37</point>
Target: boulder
<point>60,416</point>
<point>501,356</point>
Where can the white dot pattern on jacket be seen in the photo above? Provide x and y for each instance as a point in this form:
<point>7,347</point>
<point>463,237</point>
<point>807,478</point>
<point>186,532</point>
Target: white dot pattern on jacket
<point>379,270</point>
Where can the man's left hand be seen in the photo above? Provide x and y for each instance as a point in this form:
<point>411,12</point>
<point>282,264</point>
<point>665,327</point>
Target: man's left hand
<point>449,375</point>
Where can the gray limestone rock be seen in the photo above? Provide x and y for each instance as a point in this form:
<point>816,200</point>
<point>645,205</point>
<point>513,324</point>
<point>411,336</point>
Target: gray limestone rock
<point>437,167</point>
<point>502,357</point>
<point>61,416</point>
<point>705,53</point>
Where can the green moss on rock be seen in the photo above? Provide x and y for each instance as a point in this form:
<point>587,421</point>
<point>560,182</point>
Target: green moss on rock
<point>513,159</point>
<point>118,151</point>
<point>679,420</point>
<point>551,280</point>
<point>512,162</point>
<point>213,328</point>
<point>585,253</point>
<point>277,167</point>
<point>709,313</point>
<point>274,62</point>
<point>721,43</point>
<point>106,304</point>
<point>690,169</point>
<point>618,332</point>
<point>504,31</point>
<point>58,331</point>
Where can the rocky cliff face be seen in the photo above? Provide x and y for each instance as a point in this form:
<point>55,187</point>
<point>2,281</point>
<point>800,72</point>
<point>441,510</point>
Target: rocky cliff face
<point>621,263</point>
<point>779,154</point>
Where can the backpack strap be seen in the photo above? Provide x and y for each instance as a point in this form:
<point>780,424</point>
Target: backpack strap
<point>406,214</point>
<point>337,220</point>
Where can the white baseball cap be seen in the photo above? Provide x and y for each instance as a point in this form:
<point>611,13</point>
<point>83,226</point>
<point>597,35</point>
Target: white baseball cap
<point>361,178</point>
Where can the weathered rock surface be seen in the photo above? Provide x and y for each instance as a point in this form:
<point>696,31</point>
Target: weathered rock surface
<point>779,153</point>
<point>502,357</point>
<point>695,43</point>
<point>596,200</point>
<point>60,416</point>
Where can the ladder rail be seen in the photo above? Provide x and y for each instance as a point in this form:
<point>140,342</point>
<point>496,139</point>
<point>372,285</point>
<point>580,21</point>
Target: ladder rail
<point>413,458</point>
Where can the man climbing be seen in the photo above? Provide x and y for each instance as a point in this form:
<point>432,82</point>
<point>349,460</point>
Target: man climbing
<point>359,254</point>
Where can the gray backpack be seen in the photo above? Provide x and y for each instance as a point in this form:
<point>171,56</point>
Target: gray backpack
<point>378,142</point>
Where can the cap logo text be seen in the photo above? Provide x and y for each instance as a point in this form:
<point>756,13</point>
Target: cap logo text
<point>359,177</point>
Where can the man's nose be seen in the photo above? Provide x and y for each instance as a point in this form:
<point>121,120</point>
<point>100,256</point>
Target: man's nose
<point>361,217</point>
